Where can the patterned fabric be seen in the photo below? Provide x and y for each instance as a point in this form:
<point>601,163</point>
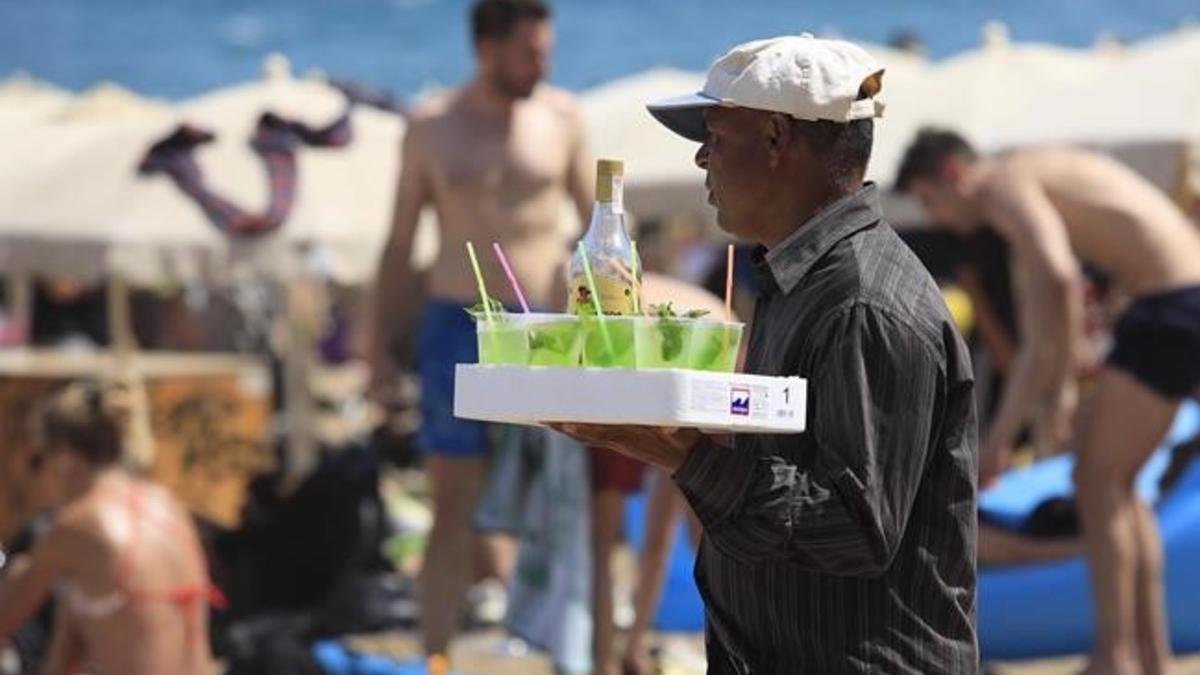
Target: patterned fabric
<point>275,140</point>
<point>849,548</point>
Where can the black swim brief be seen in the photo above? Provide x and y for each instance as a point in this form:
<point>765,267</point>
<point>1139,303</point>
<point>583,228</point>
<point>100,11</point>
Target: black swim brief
<point>1157,341</point>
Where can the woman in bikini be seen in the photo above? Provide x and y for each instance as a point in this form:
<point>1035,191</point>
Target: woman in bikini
<point>122,559</point>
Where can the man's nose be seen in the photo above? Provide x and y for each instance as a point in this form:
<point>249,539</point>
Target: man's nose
<point>702,156</point>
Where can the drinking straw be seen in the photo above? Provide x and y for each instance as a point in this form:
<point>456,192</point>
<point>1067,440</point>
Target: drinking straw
<point>729,285</point>
<point>587,272</point>
<point>483,296</point>
<point>512,279</point>
<point>638,305</point>
<point>728,297</point>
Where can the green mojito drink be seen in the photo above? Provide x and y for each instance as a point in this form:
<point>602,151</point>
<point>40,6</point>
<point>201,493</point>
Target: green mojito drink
<point>502,342</point>
<point>662,342</point>
<point>614,350</point>
<point>714,346</point>
<point>555,340</point>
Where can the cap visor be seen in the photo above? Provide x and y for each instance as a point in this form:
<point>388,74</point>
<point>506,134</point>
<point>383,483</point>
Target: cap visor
<point>684,114</point>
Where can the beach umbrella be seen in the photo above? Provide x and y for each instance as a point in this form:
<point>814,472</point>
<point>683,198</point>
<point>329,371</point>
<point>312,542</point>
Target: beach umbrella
<point>1149,92</point>
<point>25,100</point>
<point>73,202</point>
<point>982,93</point>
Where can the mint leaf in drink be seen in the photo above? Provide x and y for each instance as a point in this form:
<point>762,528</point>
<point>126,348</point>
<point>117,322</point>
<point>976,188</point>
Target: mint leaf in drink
<point>672,338</point>
<point>478,309</point>
<point>663,311</point>
<point>549,340</point>
<point>667,311</point>
<point>587,309</point>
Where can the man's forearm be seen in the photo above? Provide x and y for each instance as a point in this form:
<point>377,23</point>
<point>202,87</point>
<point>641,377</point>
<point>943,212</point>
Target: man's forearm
<point>1045,363</point>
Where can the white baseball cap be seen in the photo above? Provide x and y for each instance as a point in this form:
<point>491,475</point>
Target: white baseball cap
<point>806,77</point>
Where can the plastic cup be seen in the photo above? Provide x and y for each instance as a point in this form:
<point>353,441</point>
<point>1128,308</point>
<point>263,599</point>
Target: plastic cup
<point>663,342</point>
<point>714,346</point>
<point>555,340</point>
<point>615,351</point>
<point>529,340</point>
<point>502,341</point>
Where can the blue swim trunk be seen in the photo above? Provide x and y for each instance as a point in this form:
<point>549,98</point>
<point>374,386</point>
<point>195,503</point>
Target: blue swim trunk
<point>446,338</point>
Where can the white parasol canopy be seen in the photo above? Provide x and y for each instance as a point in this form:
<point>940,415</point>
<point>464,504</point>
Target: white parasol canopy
<point>72,203</point>
<point>25,100</point>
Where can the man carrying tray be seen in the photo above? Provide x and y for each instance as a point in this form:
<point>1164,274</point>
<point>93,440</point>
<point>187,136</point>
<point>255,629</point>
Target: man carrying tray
<point>849,548</point>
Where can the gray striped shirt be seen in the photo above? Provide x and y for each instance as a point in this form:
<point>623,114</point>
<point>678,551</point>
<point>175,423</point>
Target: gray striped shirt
<point>849,548</point>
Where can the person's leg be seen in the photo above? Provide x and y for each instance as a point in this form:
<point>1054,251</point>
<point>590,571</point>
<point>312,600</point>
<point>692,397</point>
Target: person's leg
<point>495,557</point>
<point>455,464</point>
<point>1123,424</point>
<point>608,506</point>
<point>487,596</point>
<point>1153,635</point>
<point>662,508</point>
<point>446,571</point>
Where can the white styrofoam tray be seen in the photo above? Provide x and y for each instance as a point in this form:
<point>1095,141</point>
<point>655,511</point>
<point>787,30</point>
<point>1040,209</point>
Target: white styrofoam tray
<point>678,398</point>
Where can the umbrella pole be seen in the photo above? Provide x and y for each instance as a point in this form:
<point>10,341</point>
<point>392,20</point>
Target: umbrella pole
<point>20,305</point>
<point>1187,159</point>
<point>298,361</point>
<point>123,344</point>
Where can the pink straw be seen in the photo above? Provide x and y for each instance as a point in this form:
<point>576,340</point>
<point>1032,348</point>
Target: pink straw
<point>729,284</point>
<point>512,279</point>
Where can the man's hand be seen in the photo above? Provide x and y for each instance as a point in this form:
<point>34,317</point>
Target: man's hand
<point>664,447</point>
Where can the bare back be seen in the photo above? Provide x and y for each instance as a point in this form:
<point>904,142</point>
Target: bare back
<point>505,178</point>
<point>1115,219</point>
<point>136,561</point>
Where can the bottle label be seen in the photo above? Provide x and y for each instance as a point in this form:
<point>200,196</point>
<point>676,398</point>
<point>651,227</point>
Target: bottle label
<point>616,295</point>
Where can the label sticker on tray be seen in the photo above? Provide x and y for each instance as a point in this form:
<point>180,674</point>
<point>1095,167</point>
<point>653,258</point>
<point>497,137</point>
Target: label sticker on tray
<point>730,400</point>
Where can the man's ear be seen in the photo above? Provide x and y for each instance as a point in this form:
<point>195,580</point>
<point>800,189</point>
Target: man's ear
<point>777,136</point>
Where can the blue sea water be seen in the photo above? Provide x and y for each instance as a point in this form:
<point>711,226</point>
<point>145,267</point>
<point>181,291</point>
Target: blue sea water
<point>177,48</point>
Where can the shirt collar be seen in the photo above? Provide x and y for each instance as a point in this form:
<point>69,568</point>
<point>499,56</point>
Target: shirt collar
<point>787,263</point>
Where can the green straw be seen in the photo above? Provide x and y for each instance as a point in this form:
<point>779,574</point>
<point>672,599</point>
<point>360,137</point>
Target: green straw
<point>483,296</point>
<point>487,304</point>
<point>587,272</point>
<point>637,287</point>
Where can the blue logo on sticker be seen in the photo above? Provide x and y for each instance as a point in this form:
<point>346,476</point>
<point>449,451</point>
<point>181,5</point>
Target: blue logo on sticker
<point>739,401</point>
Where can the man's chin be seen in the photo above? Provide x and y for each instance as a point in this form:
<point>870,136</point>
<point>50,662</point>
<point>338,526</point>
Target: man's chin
<point>518,91</point>
<point>726,224</point>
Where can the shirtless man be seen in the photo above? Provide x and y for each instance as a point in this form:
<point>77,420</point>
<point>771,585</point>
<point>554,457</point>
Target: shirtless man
<point>122,555</point>
<point>496,160</point>
<point>1055,205</point>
